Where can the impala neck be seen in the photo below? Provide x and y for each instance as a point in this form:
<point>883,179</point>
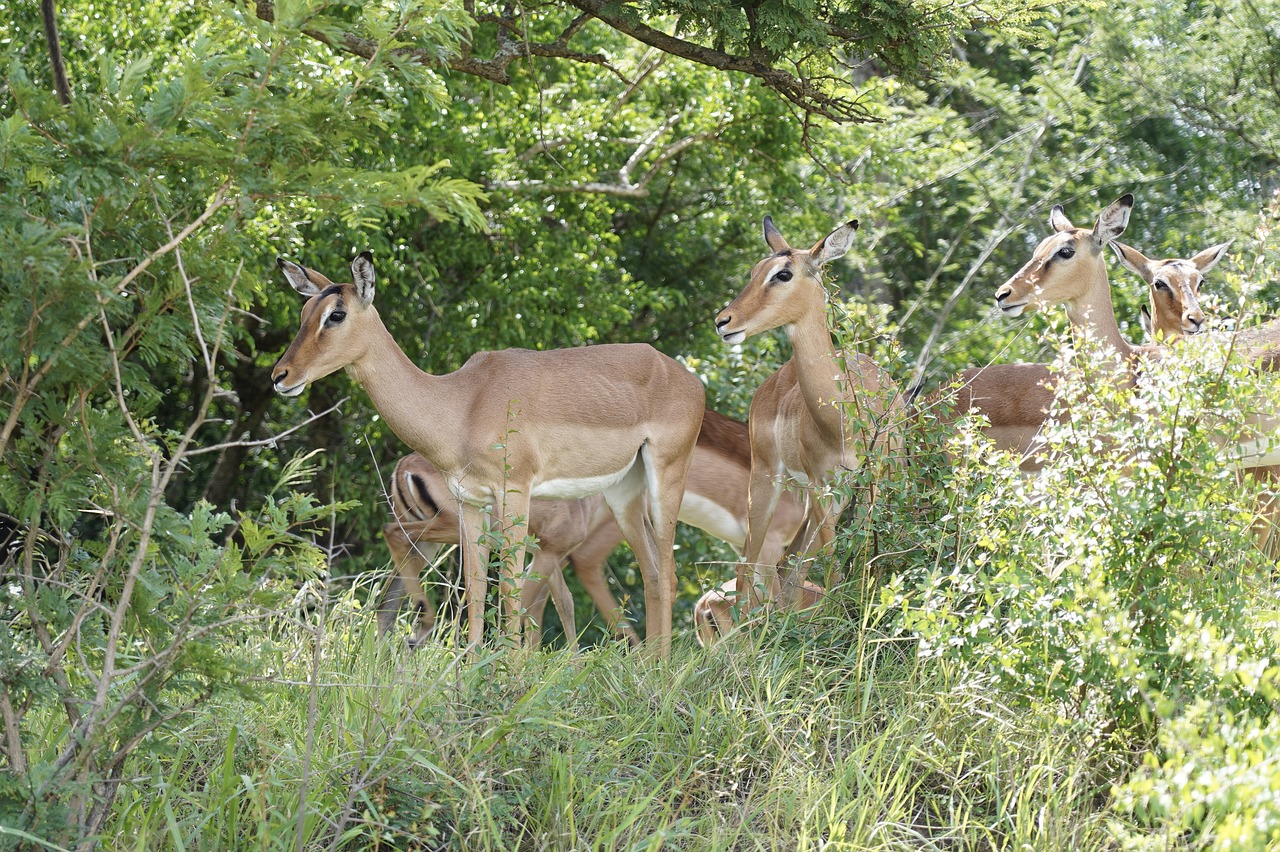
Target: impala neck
<point>419,407</point>
<point>1094,312</point>
<point>817,369</point>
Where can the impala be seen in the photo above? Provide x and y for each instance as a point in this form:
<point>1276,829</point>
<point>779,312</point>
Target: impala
<point>619,420</point>
<point>1069,267</point>
<point>715,501</point>
<point>821,413</point>
<point>713,613</point>
<point>425,521</point>
<point>1174,289</point>
<point>1083,288</point>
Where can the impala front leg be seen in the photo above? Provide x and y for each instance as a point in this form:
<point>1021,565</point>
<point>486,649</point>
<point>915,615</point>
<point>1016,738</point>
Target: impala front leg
<point>515,536</point>
<point>475,569</point>
<point>410,556</point>
<point>757,578</point>
<point>547,575</point>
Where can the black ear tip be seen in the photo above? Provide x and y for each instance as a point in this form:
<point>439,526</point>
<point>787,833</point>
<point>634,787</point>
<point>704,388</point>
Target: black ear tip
<point>1126,199</point>
<point>367,255</point>
<point>853,224</point>
<point>281,261</point>
<point>768,221</point>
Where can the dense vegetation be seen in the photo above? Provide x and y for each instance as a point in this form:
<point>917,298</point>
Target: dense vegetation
<point>1083,659</point>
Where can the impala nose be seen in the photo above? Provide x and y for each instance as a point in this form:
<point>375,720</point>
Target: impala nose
<point>723,320</point>
<point>1193,321</point>
<point>1003,293</point>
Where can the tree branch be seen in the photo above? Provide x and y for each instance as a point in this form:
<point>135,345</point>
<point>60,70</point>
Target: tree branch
<point>495,68</point>
<point>626,186</point>
<point>60,84</point>
<point>809,94</point>
<point>799,90</point>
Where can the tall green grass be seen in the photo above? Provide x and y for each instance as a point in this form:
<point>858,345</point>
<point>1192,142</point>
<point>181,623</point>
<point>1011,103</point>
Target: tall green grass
<point>751,745</point>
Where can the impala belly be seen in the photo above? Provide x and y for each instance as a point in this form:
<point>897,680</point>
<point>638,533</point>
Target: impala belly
<point>577,487</point>
<point>709,516</point>
<point>1263,452</point>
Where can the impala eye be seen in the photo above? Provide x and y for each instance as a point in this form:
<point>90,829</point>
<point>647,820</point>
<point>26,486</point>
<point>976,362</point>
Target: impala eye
<point>337,316</point>
<point>1066,252</point>
<point>1161,285</point>
<point>784,275</point>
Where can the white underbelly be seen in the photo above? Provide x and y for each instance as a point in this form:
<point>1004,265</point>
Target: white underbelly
<point>1263,452</point>
<point>710,517</point>
<point>574,488</point>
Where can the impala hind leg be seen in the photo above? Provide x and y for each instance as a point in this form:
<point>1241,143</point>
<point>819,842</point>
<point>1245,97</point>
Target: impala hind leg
<point>591,576</point>
<point>410,556</point>
<point>588,561</point>
<point>547,574</point>
<point>647,520</point>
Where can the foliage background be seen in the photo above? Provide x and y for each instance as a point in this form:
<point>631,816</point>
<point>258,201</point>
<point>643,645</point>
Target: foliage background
<point>175,532</point>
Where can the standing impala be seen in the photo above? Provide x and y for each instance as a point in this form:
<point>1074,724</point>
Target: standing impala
<point>1069,267</point>
<point>619,420</point>
<point>821,413</point>
<point>1084,289</point>
<point>715,501</point>
<point>424,522</point>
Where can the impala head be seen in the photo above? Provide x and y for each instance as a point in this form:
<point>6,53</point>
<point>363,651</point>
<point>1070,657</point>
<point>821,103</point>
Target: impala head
<point>784,286</point>
<point>330,336</point>
<point>1175,289</point>
<point>1066,264</point>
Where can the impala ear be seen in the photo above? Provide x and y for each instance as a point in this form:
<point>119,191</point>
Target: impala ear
<point>1059,221</point>
<point>362,276</point>
<point>834,244</point>
<point>297,277</point>
<point>1134,260</point>
<point>772,238</point>
<point>1144,319</point>
<point>1112,221</point>
<point>1207,259</point>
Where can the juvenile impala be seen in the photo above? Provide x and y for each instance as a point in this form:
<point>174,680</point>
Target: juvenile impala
<point>619,420</point>
<point>821,413</point>
<point>713,613</point>
<point>425,521</point>
<point>715,501</point>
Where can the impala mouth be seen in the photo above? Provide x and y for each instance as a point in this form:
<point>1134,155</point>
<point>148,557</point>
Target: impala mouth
<point>733,336</point>
<point>296,390</point>
<point>1013,310</point>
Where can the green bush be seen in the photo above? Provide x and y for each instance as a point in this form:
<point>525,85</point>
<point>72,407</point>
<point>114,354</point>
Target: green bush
<point>1108,584</point>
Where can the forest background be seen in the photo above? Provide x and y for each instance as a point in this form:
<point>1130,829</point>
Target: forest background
<point>189,659</point>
